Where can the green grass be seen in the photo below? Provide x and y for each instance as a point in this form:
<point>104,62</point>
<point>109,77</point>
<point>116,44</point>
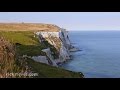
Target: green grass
<point>46,71</point>
<point>30,50</point>
<point>22,37</point>
<point>29,45</point>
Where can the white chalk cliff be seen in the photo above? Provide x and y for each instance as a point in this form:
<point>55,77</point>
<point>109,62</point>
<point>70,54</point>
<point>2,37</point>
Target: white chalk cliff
<point>60,41</point>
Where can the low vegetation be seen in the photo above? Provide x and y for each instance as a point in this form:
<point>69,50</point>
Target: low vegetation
<point>46,71</point>
<point>26,43</point>
<point>8,60</point>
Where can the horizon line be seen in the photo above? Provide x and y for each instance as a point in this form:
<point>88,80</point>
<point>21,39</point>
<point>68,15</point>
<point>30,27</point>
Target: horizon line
<point>93,30</point>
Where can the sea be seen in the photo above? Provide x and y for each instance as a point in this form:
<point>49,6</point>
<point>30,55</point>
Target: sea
<point>99,56</point>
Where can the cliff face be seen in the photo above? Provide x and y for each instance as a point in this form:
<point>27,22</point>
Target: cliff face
<point>60,41</point>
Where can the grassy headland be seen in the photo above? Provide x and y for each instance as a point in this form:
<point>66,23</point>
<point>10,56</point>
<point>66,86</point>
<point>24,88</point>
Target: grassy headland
<point>22,37</point>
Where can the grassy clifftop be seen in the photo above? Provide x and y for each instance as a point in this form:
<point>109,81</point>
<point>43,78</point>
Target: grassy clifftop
<point>28,27</point>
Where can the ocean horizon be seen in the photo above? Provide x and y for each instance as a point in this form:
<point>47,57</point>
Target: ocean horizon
<point>100,55</point>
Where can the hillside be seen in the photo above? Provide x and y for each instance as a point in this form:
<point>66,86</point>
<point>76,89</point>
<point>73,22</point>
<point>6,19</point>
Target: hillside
<point>20,37</point>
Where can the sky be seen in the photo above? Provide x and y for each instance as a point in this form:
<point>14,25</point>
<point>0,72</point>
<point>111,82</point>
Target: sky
<point>69,20</point>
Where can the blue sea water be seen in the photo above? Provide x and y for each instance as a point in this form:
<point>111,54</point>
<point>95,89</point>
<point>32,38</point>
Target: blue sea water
<point>100,55</point>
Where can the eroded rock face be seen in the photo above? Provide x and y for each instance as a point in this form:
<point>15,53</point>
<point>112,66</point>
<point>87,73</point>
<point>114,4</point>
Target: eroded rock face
<point>48,53</point>
<point>49,57</point>
<point>60,41</point>
<point>42,59</point>
<point>64,53</point>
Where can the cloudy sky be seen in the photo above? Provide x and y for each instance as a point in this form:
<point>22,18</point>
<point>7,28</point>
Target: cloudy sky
<point>68,20</point>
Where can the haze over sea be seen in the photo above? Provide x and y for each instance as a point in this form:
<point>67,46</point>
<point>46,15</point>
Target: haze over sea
<point>100,55</point>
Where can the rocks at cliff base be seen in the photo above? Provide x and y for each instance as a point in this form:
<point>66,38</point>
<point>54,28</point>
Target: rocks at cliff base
<point>74,49</point>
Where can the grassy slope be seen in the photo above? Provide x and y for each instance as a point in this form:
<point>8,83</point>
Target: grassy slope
<point>46,71</point>
<point>31,46</point>
<point>8,62</point>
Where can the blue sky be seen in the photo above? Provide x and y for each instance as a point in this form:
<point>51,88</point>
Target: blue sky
<point>68,20</point>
